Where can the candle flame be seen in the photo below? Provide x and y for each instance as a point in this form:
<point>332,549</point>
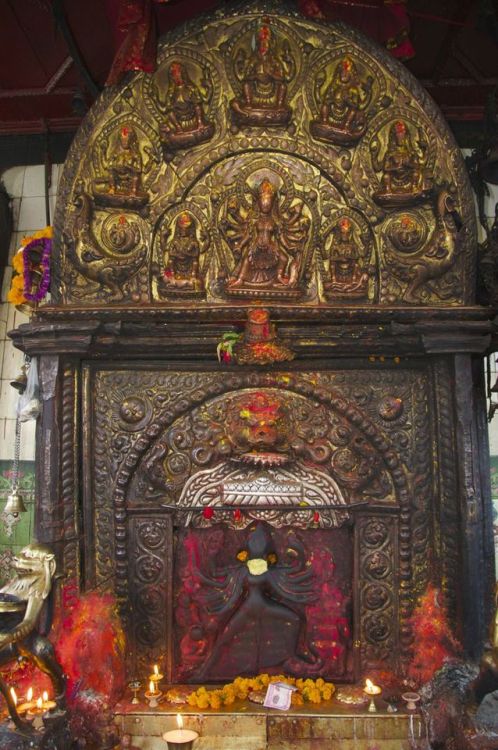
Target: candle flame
<point>14,696</point>
<point>156,669</point>
<point>45,696</point>
<point>39,703</point>
<point>152,686</point>
<point>179,721</point>
<point>368,684</point>
<point>29,694</point>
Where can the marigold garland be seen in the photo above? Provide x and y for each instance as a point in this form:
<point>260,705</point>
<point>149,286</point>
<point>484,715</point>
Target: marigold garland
<point>20,290</point>
<point>312,691</point>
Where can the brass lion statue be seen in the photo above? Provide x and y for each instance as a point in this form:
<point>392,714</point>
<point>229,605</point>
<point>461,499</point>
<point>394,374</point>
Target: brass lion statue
<point>25,620</point>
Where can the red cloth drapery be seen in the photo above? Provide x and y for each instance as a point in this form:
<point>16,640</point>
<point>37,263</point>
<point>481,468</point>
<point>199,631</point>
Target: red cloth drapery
<point>135,33</point>
<point>386,21</point>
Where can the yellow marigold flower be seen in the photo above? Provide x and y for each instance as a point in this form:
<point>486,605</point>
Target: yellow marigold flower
<point>242,556</point>
<point>272,558</point>
<point>202,702</point>
<point>192,700</point>
<point>297,699</point>
<point>18,262</point>
<point>215,702</point>
<point>16,297</point>
<point>17,282</point>
<point>320,682</point>
<point>327,694</point>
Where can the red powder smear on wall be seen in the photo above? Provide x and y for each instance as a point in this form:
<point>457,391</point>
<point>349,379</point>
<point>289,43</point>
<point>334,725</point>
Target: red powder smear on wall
<point>434,642</point>
<point>90,645</point>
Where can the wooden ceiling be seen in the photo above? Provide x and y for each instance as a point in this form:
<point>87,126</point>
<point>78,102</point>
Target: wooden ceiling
<point>43,86</point>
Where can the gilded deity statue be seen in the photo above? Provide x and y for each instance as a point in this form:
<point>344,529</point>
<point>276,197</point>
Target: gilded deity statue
<point>123,184</point>
<point>185,124</point>
<point>181,275</point>
<point>344,103</point>
<point>348,279</point>
<point>404,178</point>
<point>264,75</point>
<point>267,243</point>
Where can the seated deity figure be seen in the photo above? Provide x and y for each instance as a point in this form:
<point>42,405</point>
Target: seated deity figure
<point>345,100</point>
<point>123,185</point>
<point>181,258</point>
<point>347,278</point>
<point>267,243</point>
<point>185,124</point>
<point>264,75</point>
<point>404,180</point>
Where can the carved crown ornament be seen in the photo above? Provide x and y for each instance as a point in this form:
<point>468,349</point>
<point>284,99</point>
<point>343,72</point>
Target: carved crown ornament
<point>269,160</point>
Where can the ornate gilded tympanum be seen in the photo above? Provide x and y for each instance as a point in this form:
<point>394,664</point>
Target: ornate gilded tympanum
<point>266,129</point>
<point>121,186</point>
<point>264,72</point>
<point>344,102</point>
<point>184,124</point>
<point>402,167</point>
<point>180,276</point>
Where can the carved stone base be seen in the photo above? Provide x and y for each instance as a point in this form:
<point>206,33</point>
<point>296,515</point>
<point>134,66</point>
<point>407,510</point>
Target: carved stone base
<point>258,293</point>
<point>118,200</point>
<point>325,131</point>
<point>400,200</point>
<point>172,142</point>
<point>177,294</point>
<point>332,294</point>
<point>260,116</point>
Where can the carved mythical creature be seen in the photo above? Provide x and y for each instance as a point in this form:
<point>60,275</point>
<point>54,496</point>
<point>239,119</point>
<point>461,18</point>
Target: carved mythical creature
<point>344,103</point>
<point>108,267</point>
<point>436,257</point>
<point>403,167</point>
<point>264,74</point>
<point>185,124</point>
<point>257,595</point>
<point>268,244</point>
<point>123,184</point>
<point>181,258</point>
<point>25,619</point>
<point>347,277</point>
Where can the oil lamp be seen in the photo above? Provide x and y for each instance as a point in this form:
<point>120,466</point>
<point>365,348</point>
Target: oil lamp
<point>153,694</point>
<point>180,739</point>
<point>371,690</point>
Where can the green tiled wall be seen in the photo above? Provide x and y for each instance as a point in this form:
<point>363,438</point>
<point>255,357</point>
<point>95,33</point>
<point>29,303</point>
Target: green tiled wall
<point>23,531</point>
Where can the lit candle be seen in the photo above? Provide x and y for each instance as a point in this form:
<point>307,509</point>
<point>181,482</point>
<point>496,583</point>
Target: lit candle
<point>47,704</point>
<point>14,696</point>
<point>38,711</point>
<point>180,738</point>
<point>156,676</point>
<point>28,705</point>
<point>153,694</point>
<point>371,690</point>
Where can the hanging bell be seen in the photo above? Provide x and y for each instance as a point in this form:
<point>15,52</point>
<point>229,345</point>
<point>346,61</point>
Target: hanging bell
<point>15,503</point>
<point>488,168</point>
<point>20,381</point>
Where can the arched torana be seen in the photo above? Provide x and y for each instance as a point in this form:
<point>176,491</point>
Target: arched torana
<point>162,197</point>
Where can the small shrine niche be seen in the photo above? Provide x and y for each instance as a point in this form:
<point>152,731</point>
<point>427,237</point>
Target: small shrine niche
<point>281,166</point>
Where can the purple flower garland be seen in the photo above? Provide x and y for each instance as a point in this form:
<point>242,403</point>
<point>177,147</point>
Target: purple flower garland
<point>46,249</point>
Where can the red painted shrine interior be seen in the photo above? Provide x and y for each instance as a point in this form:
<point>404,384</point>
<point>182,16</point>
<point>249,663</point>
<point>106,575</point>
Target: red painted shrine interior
<point>295,617</point>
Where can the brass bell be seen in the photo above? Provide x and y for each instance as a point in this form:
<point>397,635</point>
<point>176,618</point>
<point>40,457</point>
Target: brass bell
<point>488,168</point>
<point>20,381</point>
<point>15,503</point>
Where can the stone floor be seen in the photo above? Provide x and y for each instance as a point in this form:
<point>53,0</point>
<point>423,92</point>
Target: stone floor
<point>249,727</point>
